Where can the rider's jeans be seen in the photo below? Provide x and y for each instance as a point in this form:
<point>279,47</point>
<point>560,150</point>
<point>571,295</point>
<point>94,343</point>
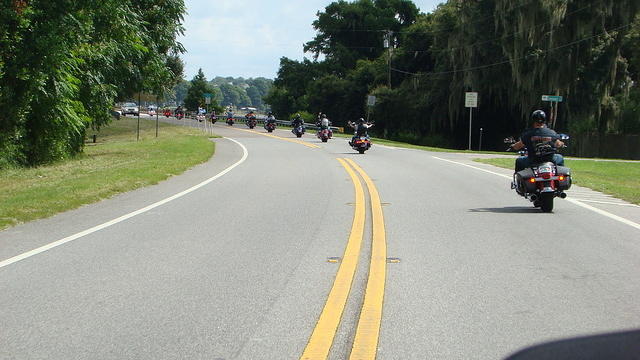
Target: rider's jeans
<point>524,162</point>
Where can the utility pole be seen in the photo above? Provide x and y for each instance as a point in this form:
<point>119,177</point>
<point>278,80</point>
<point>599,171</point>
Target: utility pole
<point>138,130</point>
<point>157,116</point>
<point>388,45</point>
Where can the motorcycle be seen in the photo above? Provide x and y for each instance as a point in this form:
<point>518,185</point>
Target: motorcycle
<point>324,135</point>
<point>361,144</point>
<point>213,118</point>
<point>179,115</point>
<point>541,183</point>
<point>251,122</point>
<point>167,113</point>
<point>298,131</point>
<point>200,117</point>
<point>270,126</point>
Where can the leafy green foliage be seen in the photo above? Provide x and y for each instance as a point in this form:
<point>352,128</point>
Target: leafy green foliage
<point>195,93</point>
<point>510,52</point>
<point>63,64</point>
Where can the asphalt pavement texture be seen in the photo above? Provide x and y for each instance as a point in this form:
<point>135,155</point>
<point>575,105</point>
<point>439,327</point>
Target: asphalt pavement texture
<point>237,269</point>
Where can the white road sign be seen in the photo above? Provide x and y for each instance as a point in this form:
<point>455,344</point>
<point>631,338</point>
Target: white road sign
<point>471,100</point>
<point>371,100</point>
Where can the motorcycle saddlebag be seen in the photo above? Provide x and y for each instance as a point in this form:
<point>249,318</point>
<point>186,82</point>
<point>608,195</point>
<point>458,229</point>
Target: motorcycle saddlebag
<point>566,183</point>
<point>523,177</point>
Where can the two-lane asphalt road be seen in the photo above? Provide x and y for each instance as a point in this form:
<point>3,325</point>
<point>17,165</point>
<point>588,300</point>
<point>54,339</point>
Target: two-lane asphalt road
<point>242,266</point>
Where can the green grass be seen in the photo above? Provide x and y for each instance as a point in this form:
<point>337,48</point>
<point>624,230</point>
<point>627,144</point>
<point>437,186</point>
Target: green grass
<point>620,179</point>
<point>115,164</point>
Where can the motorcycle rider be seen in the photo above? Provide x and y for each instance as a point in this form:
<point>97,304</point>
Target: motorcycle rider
<point>269,120</point>
<point>249,116</point>
<point>360,128</point>
<point>178,111</point>
<point>297,121</point>
<point>324,124</point>
<point>541,143</point>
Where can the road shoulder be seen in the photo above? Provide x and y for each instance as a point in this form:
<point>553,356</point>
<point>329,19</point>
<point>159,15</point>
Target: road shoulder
<point>28,236</point>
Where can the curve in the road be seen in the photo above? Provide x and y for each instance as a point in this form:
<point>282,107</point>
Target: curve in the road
<point>314,146</point>
<point>365,345</point>
<point>322,337</point>
<point>122,218</point>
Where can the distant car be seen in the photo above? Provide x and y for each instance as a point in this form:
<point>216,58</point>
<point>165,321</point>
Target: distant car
<point>129,108</point>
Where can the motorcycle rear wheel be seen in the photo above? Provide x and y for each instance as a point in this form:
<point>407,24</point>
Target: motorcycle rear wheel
<point>546,202</point>
<point>361,150</point>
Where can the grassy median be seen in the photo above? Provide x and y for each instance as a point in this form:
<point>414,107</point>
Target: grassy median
<point>115,164</point>
<point>620,179</point>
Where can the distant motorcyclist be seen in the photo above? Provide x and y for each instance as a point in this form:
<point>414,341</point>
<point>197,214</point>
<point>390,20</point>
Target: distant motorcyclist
<point>297,121</point>
<point>324,124</point>
<point>541,143</point>
<point>270,120</point>
<point>179,111</point>
<point>360,129</point>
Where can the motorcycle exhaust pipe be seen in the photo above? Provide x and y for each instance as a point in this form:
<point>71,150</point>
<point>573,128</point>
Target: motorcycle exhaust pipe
<point>563,195</point>
<point>534,197</point>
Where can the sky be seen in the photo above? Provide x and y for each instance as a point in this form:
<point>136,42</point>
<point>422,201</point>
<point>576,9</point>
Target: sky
<point>247,38</point>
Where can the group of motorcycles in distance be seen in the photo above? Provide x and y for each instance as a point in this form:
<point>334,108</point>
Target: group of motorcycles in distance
<point>324,133</point>
<point>539,183</point>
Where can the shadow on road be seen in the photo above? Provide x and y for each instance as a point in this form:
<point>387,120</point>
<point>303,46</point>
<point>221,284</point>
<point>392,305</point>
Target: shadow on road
<point>507,210</point>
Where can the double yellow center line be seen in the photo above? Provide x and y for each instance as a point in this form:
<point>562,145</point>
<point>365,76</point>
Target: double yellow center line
<point>368,330</point>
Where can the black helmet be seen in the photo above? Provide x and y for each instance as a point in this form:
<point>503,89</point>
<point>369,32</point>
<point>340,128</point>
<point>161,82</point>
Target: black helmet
<point>539,116</point>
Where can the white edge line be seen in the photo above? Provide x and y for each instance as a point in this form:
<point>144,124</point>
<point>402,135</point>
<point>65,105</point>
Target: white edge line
<point>474,167</point>
<point>126,216</point>
<point>607,202</point>
<point>574,201</point>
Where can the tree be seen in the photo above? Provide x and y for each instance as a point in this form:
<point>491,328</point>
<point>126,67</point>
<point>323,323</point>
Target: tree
<point>350,31</point>
<point>180,91</point>
<point>509,52</point>
<point>234,95</point>
<point>63,64</point>
<point>195,94</point>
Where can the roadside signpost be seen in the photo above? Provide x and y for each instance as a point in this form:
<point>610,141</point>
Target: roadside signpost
<point>371,102</point>
<point>554,100</point>
<point>470,101</point>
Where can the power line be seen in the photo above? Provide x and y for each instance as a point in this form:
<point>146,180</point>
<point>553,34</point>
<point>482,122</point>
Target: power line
<point>513,60</point>
<point>430,31</point>
<point>468,45</point>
